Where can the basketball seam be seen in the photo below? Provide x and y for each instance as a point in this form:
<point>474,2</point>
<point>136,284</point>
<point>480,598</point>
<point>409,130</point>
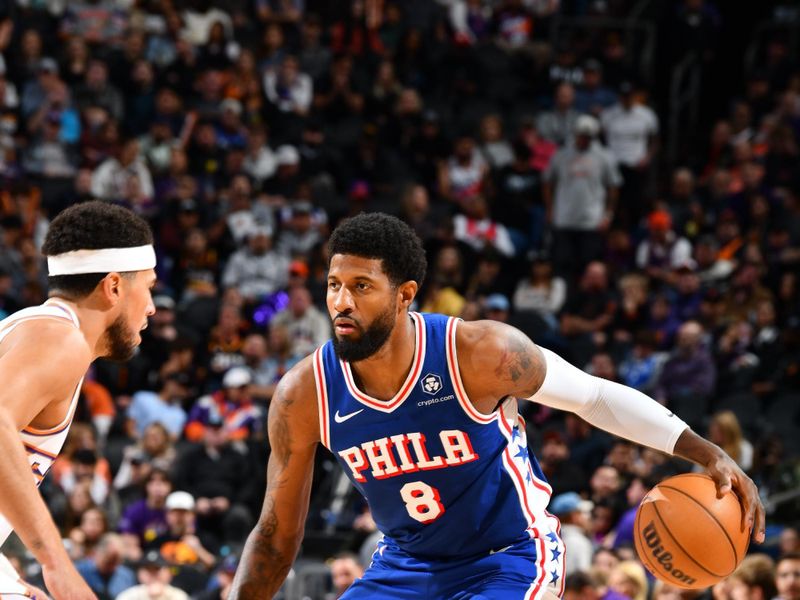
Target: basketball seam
<point>713,516</point>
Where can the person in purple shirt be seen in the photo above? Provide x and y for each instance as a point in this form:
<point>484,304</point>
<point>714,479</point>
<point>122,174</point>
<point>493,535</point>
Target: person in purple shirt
<point>145,519</point>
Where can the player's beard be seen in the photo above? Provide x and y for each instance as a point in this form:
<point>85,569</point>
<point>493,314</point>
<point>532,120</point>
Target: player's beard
<point>120,344</point>
<point>370,341</point>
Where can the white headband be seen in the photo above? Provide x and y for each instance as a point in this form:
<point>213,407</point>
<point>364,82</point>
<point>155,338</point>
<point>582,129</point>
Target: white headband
<point>105,260</point>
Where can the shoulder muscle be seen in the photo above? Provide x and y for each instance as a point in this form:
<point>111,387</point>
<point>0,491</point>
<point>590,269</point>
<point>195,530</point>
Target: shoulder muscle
<point>43,362</point>
<point>498,359</point>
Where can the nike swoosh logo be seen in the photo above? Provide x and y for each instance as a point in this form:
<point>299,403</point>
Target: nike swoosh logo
<point>342,418</point>
<point>501,550</point>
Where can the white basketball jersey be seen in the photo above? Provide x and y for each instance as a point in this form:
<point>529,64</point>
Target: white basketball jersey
<point>42,446</point>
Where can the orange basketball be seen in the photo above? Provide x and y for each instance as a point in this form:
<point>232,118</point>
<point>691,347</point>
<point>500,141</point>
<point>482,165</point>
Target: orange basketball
<point>688,537</point>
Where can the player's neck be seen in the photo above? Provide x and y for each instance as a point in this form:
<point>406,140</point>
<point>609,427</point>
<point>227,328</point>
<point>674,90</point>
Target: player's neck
<point>92,322</point>
<point>383,374</point>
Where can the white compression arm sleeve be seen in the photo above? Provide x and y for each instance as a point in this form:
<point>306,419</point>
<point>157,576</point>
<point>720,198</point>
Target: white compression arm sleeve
<point>610,406</point>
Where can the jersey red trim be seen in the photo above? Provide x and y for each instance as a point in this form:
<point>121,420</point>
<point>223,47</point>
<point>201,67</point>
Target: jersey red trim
<point>455,377</point>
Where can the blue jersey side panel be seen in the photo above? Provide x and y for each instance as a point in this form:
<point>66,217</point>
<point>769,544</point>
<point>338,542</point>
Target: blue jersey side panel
<point>440,481</point>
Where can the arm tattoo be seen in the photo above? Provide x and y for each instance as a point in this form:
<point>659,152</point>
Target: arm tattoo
<point>265,561</point>
<point>519,363</point>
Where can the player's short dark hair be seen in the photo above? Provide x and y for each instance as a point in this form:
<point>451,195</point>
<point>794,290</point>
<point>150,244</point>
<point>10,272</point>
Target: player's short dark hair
<point>787,556</point>
<point>91,226</point>
<point>382,236</point>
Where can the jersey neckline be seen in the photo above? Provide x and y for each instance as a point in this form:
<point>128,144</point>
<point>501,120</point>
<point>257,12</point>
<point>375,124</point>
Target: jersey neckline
<point>388,406</point>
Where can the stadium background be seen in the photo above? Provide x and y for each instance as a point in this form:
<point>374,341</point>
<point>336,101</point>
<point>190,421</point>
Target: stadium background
<point>244,130</point>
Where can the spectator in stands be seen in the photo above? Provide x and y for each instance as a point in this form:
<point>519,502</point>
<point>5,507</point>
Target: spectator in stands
<point>515,195</point>
<point>541,292</point>
<point>288,89</point>
<point>164,406</point>
<point>478,230</point>
<point>218,477</point>
<point>299,234</point>
<point>582,586</point>
<point>104,572</point>
<point>663,250</point>
<point>345,569</point>
<point>753,578</point>
<point>631,130</point>
<point>787,576</point>
<point>85,537</point>
<point>154,577</point>
<point>231,407</point>
<point>628,578</point>
<point>112,178</point>
<point>689,374</point>
<point>306,325</point>
<point>562,474</point>
<point>146,519</point>
<point>494,146</point>
<point>587,316</point>
<point>462,175</point>
<point>181,543</point>
<point>592,95</point>
<point>256,269</point>
<point>580,194</point>
<point>725,431</point>
<point>642,368</point>
<point>97,90</point>
<point>789,541</point>
<point>558,125</point>
<point>574,512</point>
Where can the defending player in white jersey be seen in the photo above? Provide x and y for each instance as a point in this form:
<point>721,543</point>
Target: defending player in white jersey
<point>101,263</point>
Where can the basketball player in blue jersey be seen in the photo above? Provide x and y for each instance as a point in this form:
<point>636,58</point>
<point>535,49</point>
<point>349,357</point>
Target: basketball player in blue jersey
<point>101,263</point>
<point>421,412</point>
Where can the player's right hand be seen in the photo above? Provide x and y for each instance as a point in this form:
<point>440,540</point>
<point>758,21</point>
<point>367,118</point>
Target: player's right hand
<point>65,583</point>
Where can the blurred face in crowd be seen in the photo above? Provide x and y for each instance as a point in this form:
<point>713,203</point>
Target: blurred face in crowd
<point>595,278</point>
<point>463,148</point>
<point>155,439</point>
<point>689,336</point>
<point>179,521</point>
<point>565,96</point>
<point>344,571</point>
<point>158,488</point>
<point>789,540</point>
<point>604,561</point>
<point>604,481</point>
<point>787,578</point>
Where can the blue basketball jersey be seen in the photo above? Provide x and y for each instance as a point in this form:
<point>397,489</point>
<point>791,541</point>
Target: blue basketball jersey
<point>442,480</point>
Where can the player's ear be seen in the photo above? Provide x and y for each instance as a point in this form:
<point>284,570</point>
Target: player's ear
<point>111,286</point>
<point>406,292</point>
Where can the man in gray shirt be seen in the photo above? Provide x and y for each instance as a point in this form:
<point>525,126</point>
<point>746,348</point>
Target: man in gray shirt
<point>580,192</point>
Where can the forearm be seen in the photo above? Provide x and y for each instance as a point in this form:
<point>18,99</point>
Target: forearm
<point>266,559</point>
<point>24,507</point>
<point>610,406</point>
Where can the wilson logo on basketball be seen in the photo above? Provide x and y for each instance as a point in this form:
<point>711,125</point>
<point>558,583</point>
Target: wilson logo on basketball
<point>662,555</point>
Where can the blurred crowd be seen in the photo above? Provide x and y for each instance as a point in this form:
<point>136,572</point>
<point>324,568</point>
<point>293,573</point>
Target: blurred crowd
<point>532,167</point>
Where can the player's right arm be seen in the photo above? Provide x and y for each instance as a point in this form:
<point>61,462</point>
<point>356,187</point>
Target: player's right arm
<point>293,435</point>
<point>42,362</point>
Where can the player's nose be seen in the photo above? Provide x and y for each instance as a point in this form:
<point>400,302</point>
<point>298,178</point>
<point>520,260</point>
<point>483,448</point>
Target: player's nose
<point>343,300</point>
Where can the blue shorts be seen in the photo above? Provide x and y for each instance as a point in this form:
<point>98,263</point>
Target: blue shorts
<point>522,571</point>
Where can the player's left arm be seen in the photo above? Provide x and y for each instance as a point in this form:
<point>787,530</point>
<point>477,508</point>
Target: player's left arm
<point>503,361</point>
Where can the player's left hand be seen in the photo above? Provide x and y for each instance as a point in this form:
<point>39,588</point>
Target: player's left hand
<point>729,476</point>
